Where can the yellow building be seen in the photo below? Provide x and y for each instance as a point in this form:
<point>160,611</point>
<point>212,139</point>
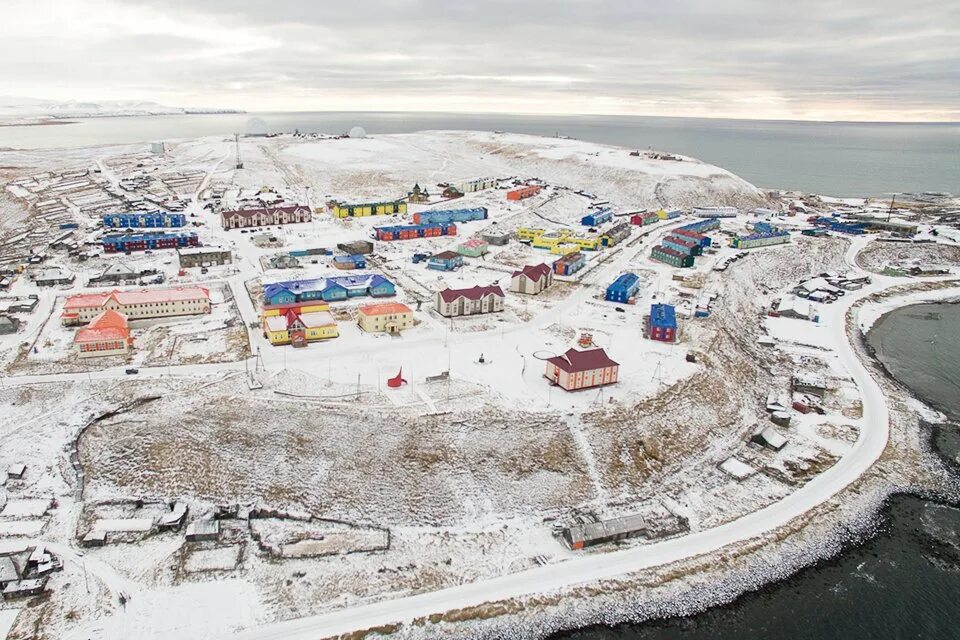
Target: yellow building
<point>343,210</point>
<point>298,325</point>
<point>388,317</point>
<point>662,214</point>
<point>526,234</point>
<point>564,248</point>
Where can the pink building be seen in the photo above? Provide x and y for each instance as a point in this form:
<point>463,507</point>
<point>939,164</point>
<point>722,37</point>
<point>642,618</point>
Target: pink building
<point>578,369</point>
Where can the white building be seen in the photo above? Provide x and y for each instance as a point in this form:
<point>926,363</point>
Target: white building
<point>467,302</point>
<point>532,279</point>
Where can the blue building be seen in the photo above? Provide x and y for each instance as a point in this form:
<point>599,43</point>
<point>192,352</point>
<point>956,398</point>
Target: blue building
<point>683,244</point>
<point>663,323</point>
<point>702,226</point>
<point>450,215</point>
<point>122,243</point>
<point>141,219</point>
<point>623,288</point>
<point>570,263</point>
<point>445,261</point>
<point>328,289</point>
<point>597,217</point>
<point>350,262</point>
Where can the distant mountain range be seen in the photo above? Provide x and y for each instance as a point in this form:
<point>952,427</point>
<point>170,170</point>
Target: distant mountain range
<point>15,109</point>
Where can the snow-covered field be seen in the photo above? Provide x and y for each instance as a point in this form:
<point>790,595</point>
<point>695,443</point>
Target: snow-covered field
<point>337,495</point>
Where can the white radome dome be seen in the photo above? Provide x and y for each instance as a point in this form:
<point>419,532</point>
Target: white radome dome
<point>358,132</point>
<point>256,127</point>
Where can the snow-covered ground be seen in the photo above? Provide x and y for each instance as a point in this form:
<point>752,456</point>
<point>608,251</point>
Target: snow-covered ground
<point>466,477</point>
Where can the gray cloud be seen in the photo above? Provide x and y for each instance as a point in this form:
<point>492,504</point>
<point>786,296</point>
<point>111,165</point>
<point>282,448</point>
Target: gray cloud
<point>804,59</point>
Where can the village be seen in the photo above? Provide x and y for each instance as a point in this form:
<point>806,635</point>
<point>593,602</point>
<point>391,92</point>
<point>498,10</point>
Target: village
<point>299,373</point>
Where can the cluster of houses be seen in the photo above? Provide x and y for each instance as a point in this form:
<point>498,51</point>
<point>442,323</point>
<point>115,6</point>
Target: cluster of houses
<point>681,246</point>
<point>25,570</point>
<point>105,316</point>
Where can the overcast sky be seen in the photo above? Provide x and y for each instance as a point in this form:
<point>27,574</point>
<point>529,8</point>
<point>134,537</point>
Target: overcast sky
<point>836,59</point>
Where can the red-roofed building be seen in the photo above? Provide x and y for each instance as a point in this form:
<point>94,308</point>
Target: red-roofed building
<point>265,217</point>
<point>142,303</point>
<point>467,302</point>
<point>107,335</point>
<point>389,317</point>
<point>578,369</point>
<point>532,279</point>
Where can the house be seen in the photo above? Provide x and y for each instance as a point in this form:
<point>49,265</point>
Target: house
<point>451,193</point>
<point>644,219</point>
<point>479,184</point>
<point>597,217</point>
<point>764,235</point>
<point>125,243</point>
<point>141,219</point>
<point>418,195</point>
<point>811,383</point>
<point>623,288</point>
<point>342,210</point>
<point>445,261</point>
<point>616,234</point>
<point>793,307</point>
<point>386,317</point>
<point>769,438</point>
<point>52,276</point>
<point>569,264</point>
<point>532,279</point>
<point>662,324</point>
<point>578,369</point>
<point>291,292</point>
<point>450,215</point>
<point>496,238</point>
<point>206,256</point>
<point>474,247</point>
<point>143,303</point>
<point>298,324</point>
<point>8,325</point>
<point>265,216</point>
<point>695,236</point>
<point>415,231</point>
<point>108,334</point>
<point>116,273</point>
<point>669,215</point>
<point>465,302</point>
<point>523,192</point>
<point>350,262</point>
<point>670,256</point>
<point>682,245</point>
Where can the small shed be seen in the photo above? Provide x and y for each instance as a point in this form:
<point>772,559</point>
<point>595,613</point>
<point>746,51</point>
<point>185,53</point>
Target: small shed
<point>200,530</point>
<point>173,519</point>
<point>474,247</point>
<point>770,439</point>
<point>16,471</point>
<point>94,539</point>
<point>737,469</point>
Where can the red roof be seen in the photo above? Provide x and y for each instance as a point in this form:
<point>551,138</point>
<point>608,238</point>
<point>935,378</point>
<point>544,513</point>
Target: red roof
<point>575,361</point>
<point>384,308</point>
<point>143,296</point>
<point>475,293</point>
<point>533,271</point>
<point>109,325</point>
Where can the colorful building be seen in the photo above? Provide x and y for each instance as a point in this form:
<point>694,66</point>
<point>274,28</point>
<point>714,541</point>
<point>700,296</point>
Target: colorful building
<point>474,247</point>
<point>699,238</point>
<point>108,334</point>
<point>763,235</point>
<point>532,279</point>
<point>445,261</point>
<point>623,288</point>
<point>265,217</point>
<point>143,303</point>
<point>123,243</point>
<point>291,292</point>
<point>478,184</point>
<point>669,215</point>
<point>662,324</point>
<point>418,195</point>
<point>569,264</point>
<point>578,369</point>
<point>597,217</point>
<point>551,239</point>
<point>466,302</point>
<point>523,192</point>
<point>450,215</point>
<point>361,210</point>
<point>298,324</point>
<point>528,234</point>
<point>386,317</point>
<point>350,262</point>
<point>703,226</point>
<point>415,231</point>
<point>615,234</point>
<point>154,220</point>
<point>683,245</point>
<point>670,256</point>
<point>645,219</point>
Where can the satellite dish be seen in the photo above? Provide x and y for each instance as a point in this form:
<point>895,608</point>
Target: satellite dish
<point>358,132</point>
<point>256,127</point>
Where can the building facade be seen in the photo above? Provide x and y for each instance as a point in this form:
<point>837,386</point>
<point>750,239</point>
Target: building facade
<point>387,317</point>
<point>135,305</point>
<point>204,256</point>
<point>445,261</point>
<point>671,257</point>
<point>662,324</point>
<point>123,243</point>
<point>597,217</point>
<point>523,192</point>
<point>479,184</point>
<point>474,247</point>
<point>265,217</point>
<point>578,369</point>
<point>623,288</point>
<point>141,219</point>
<point>440,216</point>
<point>298,324</point>
<point>289,292</point>
<point>361,210</point>
<point>465,302</point>
<point>108,334</point>
<point>532,279</point>
<point>415,231</point>
<point>569,264</point>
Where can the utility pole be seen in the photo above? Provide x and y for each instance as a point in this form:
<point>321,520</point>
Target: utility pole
<point>236,140</point>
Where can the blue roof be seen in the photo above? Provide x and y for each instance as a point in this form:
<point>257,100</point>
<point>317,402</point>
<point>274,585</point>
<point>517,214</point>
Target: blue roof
<point>134,237</point>
<point>663,315</point>
<point>625,281</point>
<point>324,284</point>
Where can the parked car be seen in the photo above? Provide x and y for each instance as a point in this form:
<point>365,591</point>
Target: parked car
<point>132,371</point>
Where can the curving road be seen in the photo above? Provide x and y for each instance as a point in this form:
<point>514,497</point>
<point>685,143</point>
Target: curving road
<point>874,433</point>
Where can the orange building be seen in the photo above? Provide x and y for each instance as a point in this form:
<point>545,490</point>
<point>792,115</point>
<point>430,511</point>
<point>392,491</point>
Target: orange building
<point>107,335</point>
<point>523,192</point>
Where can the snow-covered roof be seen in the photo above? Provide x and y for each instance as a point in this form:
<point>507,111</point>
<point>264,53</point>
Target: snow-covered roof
<point>737,469</point>
<point>799,306</point>
<point>141,296</point>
